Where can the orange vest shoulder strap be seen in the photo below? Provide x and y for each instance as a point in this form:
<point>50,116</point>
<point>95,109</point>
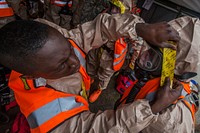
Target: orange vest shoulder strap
<point>82,70</point>
<point>77,47</point>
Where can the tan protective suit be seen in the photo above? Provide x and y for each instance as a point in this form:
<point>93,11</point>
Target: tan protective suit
<point>188,50</point>
<point>134,117</point>
<point>100,61</point>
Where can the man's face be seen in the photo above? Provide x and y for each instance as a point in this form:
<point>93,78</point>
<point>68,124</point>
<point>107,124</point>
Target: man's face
<point>55,59</point>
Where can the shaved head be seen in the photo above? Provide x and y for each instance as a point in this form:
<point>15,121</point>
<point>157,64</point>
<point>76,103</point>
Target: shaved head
<point>21,39</point>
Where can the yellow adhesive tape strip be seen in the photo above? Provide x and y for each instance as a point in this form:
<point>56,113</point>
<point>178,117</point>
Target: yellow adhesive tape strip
<point>119,4</point>
<point>168,64</point>
<point>84,93</point>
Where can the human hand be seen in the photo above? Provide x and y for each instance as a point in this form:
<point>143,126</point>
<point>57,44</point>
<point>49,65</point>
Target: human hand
<point>158,34</point>
<point>166,96</point>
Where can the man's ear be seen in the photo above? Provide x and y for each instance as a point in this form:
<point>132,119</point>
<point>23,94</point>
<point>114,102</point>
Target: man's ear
<point>28,77</point>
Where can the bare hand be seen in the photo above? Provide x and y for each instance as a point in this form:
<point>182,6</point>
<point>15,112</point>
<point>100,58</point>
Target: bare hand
<point>166,96</point>
<point>158,34</point>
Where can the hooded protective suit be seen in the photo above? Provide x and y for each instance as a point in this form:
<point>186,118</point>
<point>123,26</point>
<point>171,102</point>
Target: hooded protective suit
<point>100,61</point>
<point>134,117</point>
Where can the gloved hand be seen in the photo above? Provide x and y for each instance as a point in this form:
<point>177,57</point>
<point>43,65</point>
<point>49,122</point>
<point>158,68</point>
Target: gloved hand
<point>157,34</point>
<point>166,96</point>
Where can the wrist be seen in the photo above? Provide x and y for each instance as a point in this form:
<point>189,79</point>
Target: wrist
<point>156,108</point>
<point>139,29</point>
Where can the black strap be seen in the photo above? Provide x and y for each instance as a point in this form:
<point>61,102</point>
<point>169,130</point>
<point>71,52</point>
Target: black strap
<point>135,90</point>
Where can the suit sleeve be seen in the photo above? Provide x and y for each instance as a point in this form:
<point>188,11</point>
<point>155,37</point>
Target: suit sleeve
<point>102,29</point>
<point>131,118</point>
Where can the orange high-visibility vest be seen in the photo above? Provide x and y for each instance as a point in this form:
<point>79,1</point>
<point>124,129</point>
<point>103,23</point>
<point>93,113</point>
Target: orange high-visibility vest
<point>148,92</point>
<point>5,10</point>
<point>119,54</point>
<point>81,56</point>
<point>61,3</point>
<point>43,106</point>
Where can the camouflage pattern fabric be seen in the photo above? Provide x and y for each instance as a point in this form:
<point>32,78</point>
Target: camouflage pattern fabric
<point>87,10</point>
<point>92,8</point>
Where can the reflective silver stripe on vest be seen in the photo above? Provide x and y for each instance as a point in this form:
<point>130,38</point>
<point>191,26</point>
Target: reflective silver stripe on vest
<point>184,93</point>
<point>60,2</point>
<point>118,55</point>
<point>50,110</point>
<point>116,63</point>
<point>3,6</point>
<point>80,57</point>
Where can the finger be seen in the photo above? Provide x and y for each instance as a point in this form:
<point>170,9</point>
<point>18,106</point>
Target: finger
<point>168,45</point>
<point>179,87</point>
<point>173,35</point>
<point>167,82</point>
<point>177,91</point>
<point>175,82</point>
<point>175,38</point>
